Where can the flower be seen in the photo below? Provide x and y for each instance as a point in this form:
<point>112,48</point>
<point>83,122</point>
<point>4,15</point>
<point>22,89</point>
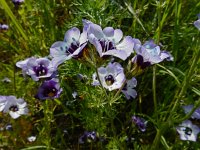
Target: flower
<point>188,131</point>
<point>109,41</point>
<point>112,77</point>
<point>87,137</point>
<point>140,122</point>
<point>31,138</point>
<point>74,42</point>
<point>4,27</point>
<point>150,52</point>
<point>128,90</point>
<point>6,80</point>
<point>196,114</point>
<point>197,23</point>
<point>17,2</point>
<point>74,94</point>
<point>9,127</point>
<point>49,89</point>
<point>15,107</point>
<point>36,67</point>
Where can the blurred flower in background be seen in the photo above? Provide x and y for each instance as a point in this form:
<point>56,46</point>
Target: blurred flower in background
<point>140,123</point>
<point>4,27</point>
<point>197,23</point>
<point>88,137</point>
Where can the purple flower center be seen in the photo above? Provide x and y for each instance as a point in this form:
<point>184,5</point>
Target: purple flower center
<point>109,80</point>
<point>73,47</point>
<point>106,45</point>
<point>40,70</point>
<point>50,92</point>
<point>14,108</point>
<point>188,131</point>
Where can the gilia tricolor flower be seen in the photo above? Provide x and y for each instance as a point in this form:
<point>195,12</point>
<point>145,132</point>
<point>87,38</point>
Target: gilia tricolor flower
<point>188,131</point>
<point>49,89</point>
<point>197,23</point>
<point>149,53</point>
<point>15,107</point>
<point>111,77</point>
<point>109,41</point>
<point>37,67</point>
<point>72,46</point>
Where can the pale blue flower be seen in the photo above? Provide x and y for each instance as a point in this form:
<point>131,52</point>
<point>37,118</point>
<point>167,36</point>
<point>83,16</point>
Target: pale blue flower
<point>37,67</point>
<point>111,77</point>
<point>72,46</point>
<point>109,41</point>
<point>187,131</point>
<point>150,52</point>
<point>197,23</point>
<point>15,107</point>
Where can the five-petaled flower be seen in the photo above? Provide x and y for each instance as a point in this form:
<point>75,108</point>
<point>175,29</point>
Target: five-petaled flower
<point>72,46</point>
<point>111,77</point>
<point>37,67</point>
<point>49,89</point>
<point>109,41</point>
<point>150,52</point>
<point>15,107</point>
<point>188,131</point>
<point>129,90</point>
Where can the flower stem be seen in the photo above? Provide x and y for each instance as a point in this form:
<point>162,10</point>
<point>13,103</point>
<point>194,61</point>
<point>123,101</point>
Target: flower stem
<point>186,82</point>
<point>154,90</point>
<point>48,117</point>
<point>101,83</point>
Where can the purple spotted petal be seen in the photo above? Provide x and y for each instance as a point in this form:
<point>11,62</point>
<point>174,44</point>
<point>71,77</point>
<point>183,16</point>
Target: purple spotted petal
<point>72,35</point>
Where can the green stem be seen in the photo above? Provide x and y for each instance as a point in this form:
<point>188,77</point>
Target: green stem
<point>189,114</point>
<point>48,118</point>
<point>186,82</point>
<point>119,91</point>
<point>154,90</point>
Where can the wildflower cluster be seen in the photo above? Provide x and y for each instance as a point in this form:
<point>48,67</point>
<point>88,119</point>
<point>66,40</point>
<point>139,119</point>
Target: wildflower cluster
<point>106,50</point>
<point>114,61</point>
